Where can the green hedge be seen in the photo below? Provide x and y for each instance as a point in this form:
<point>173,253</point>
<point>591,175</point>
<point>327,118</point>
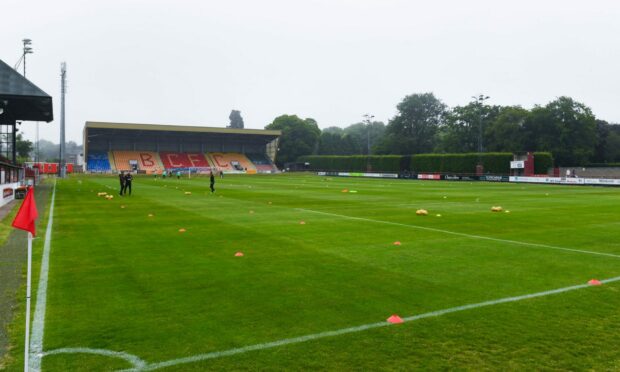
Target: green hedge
<point>542,162</point>
<point>354,163</point>
<point>493,162</point>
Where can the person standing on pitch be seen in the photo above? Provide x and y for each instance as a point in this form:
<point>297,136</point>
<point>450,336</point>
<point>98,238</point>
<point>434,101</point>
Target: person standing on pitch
<point>128,179</point>
<point>212,182</point>
<point>121,177</point>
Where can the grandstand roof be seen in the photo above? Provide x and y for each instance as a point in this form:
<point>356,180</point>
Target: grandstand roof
<point>179,128</point>
<point>20,99</point>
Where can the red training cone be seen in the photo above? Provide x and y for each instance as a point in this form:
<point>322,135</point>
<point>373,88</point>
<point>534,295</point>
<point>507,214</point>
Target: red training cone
<point>595,282</point>
<point>239,254</point>
<point>395,319</point>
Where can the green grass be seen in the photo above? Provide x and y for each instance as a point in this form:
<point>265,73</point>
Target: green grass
<point>123,281</point>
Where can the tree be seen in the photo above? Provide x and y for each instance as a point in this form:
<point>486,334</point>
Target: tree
<point>564,127</point>
<point>236,121</point>
<point>299,137</point>
<point>359,135</point>
<point>23,148</point>
<point>465,126</point>
<point>612,153</point>
<point>413,130</point>
<point>607,148</point>
<point>332,143</point>
<point>600,148</point>
<point>505,132</point>
<point>50,151</point>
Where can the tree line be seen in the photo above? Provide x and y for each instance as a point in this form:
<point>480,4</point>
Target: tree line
<point>48,151</point>
<point>424,124</point>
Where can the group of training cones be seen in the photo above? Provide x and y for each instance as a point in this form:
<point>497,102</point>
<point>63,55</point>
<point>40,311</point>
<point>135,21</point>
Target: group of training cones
<point>499,209</point>
<point>105,195</point>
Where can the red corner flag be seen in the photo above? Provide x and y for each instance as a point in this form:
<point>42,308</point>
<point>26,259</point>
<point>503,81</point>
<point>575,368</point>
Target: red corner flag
<point>27,213</point>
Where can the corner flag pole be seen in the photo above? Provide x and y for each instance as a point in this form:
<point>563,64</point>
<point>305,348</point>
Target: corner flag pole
<point>25,220</point>
<point>28,290</point>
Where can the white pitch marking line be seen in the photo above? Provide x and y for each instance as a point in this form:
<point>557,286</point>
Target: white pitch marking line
<point>38,323</point>
<point>461,234</point>
<point>134,360</point>
<point>315,336</point>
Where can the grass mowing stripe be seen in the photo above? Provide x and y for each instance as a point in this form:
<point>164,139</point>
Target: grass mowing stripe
<point>461,234</point>
<point>38,323</point>
<point>315,336</point>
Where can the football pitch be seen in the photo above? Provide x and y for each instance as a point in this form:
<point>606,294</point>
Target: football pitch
<point>152,281</point>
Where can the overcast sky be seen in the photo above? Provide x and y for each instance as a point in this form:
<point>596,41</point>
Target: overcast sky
<point>191,62</point>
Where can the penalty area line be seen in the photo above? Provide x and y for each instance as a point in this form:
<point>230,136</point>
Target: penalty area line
<point>471,236</point>
<point>315,336</point>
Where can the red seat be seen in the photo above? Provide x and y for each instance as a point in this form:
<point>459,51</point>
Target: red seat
<point>183,160</point>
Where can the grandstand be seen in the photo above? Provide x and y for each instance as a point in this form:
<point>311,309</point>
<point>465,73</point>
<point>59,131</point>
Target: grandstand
<point>150,148</point>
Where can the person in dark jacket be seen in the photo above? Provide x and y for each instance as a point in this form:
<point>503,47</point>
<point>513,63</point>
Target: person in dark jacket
<point>212,182</point>
<point>121,178</point>
<point>128,179</point>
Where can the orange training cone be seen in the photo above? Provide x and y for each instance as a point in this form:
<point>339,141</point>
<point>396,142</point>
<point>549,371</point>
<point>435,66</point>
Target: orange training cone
<point>182,230</point>
<point>395,319</point>
<point>302,222</point>
<point>595,282</point>
<point>397,243</point>
<point>239,254</point>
